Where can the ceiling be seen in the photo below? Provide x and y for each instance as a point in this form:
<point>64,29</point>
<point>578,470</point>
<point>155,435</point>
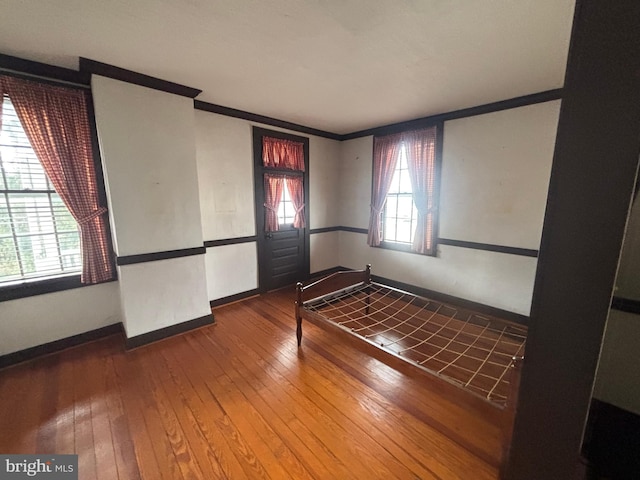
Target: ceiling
<point>335,65</point>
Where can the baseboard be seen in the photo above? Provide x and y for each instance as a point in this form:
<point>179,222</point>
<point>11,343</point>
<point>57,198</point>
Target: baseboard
<point>460,302</point>
<point>233,298</point>
<point>58,345</point>
<point>170,331</point>
<point>327,271</point>
<point>218,302</point>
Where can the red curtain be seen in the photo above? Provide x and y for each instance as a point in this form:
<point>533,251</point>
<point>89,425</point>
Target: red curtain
<point>56,122</point>
<point>296,191</point>
<point>280,153</point>
<point>420,146</point>
<point>273,186</point>
<point>385,156</point>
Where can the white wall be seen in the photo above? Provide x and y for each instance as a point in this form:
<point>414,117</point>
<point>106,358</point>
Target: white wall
<point>618,377</point>
<point>147,143</point>
<point>148,149</point>
<point>495,178</point>
<point>31,321</point>
<point>326,251</point>
<point>495,175</point>
<point>355,182</point>
<point>162,293</point>
<point>231,269</point>
<point>324,179</point>
<point>224,152</point>
<point>495,279</point>
<point>225,176</point>
<point>176,177</point>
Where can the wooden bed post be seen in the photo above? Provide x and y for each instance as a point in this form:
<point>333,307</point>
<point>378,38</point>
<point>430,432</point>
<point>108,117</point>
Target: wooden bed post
<point>299,288</point>
<point>367,281</point>
<point>510,409</point>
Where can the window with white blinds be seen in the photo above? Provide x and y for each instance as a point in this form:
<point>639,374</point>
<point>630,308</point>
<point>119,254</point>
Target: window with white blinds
<point>400,215</point>
<point>38,235</point>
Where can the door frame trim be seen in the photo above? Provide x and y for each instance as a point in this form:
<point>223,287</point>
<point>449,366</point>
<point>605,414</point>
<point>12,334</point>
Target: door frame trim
<point>258,133</point>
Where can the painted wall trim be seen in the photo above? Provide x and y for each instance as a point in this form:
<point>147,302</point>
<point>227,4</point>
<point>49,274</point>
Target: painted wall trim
<point>364,231</point>
<point>340,228</point>
<point>457,301</point>
<point>170,331</point>
<point>422,122</point>
<point>47,285</point>
<point>230,241</point>
<point>313,231</point>
<point>516,102</point>
<point>254,117</point>
<point>88,66</point>
<point>58,345</point>
<point>155,256</point>
<point>234,298</point>
<point>43,71</point>
<point>525,252</point>
<point>626,305</point>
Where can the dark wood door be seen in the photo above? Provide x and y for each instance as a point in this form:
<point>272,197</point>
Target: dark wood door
<point>283,255</point>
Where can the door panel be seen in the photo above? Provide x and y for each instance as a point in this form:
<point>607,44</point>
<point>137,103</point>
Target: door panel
<point>283,255</point>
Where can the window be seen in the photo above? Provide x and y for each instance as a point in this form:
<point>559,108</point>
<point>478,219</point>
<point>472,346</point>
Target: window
<point>53,221</point>
<point>283,166</point>
<point>38,235</point>
<point>286,210</point>
<point>405,187</point>
<point>400,215</point>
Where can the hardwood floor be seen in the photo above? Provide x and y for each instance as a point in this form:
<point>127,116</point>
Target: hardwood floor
<point>239,400</point>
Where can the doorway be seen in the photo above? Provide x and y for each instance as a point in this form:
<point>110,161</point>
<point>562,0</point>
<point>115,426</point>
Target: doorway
<point>281,175</point>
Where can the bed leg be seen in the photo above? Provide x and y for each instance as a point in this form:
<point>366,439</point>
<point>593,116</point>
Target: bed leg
<point>509,412</point>
<point>299,288</point>
<point>367,280</point>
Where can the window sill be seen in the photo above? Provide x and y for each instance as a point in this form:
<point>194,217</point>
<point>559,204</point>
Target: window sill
<point>31,288</point>
<point>403,247</point>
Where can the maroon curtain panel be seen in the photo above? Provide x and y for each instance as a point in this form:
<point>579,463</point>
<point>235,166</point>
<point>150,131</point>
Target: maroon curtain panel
<point>273,186</point>
<point>280,153</point>
<point>420,147</point>
<point>56,122</point>
<point>385,156</point>
<point>296,191</point>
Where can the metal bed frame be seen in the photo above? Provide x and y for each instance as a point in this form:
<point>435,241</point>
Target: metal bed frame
<point>480,354</point>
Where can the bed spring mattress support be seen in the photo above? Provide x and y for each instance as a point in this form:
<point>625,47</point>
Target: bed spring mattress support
<point>472,351</point>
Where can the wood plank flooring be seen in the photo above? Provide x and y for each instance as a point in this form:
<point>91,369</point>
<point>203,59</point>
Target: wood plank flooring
<point>239,400</point>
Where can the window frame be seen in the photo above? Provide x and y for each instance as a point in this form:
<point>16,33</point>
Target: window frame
<point>407,247</point>
<point>57,283</point>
